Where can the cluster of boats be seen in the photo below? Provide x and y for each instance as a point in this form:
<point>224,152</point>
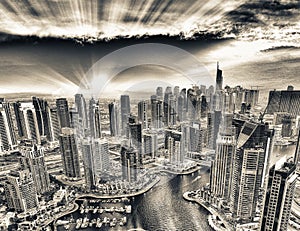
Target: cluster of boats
<point>116,200</point>
<point>100,210</point>
<point>82,223</point>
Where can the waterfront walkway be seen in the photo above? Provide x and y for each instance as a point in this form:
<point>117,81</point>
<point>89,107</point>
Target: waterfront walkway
<point>213,212</point>
<point>142,191</point>
<point>159,169</point>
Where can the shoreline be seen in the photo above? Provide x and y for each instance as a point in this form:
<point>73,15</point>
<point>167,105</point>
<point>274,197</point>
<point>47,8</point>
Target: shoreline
<point>146,189</point>
<point>212,212</point>
<point>181,173</point>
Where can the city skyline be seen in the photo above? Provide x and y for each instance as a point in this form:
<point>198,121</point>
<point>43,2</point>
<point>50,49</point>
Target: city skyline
<point>118,148</point>
<point>150,115</point>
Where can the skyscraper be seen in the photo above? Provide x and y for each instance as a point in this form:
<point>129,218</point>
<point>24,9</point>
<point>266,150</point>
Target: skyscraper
<point>114,120</point>
<point>96,160</point>
<point>180,108</point>
<point>63,112</point>
<point>80,104</point>
<point>129,163</point>
<point>40,107</point>
<point>222,166</point>
<point>213,125</point>
<point>150,144</point>
<point>254,145</point>
<point>142,113</point>
<point>135,137</point>
<point>203,106</point>
<point>125,112</point>
<point>69,153</point>
<point>54,128</point>
<point>8,139</point>
<point>219,79</point>
<point>88,163</point>
<point>20,191</point>
<point>33,159</point>
<point>175,145</point>
<point>279,196</point>
<point>166,106</point>
<point>284,101</point>
<point>156,112</point>
<point>193,137</point>
<point>286,126</point>
<point>94,119</point>
<point>159,93</point>
<point>27,121</point>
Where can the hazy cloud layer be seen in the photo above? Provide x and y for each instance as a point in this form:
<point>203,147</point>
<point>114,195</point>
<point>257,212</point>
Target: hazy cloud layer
<point>106,19</point>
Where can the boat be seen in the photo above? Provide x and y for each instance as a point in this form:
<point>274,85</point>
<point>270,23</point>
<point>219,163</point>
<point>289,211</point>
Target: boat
<point>128,208</point>
<point>123,221</point>
<point>112,224</point>
<point>78,223</point>
<point>85,223</point>
<point>101,210</point>
<point>120,210</point>
<point>106,220</point>
<point>62,222</point>
<point>98,223</point>
<point>110,210</point>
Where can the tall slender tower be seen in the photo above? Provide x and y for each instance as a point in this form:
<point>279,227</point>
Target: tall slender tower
<point>94,119</point>
<point>174,143</point>
<point>27,121</point>
<point>279,196</point>
<point>129,163</point>
<point>222,166</point>
<point>33,158</point>
<point>69,153</point>
<point>20,191</point>
<point>156,112</point>
<point>254,146</point>
<point>8,139</point>
<point>81,109</point>
<point>42,115</point>
<point>135,136</point>
<point>63,112</point>
<point>219,79</point>
<point>142,113</point>
<point>114,120</point>
<point>125,112</point>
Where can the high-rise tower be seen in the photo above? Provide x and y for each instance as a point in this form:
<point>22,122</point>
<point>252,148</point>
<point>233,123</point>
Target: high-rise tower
<point>254,145</point>
<point>63,112</point>
<point>125,112</point>
<point>20,191</point>
<point>219,79</point>
<point>142,113</point>
<point>279,196</point>
<point>8,139</point>
<point>33,159</point>
<point>69,153</point>
<point>222,166</point>
<point>114,119</point>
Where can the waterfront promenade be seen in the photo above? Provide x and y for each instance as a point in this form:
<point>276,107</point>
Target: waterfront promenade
<point>142,191</point>
<point>212,222</point>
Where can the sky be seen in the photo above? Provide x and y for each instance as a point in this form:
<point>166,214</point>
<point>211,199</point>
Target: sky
<point>48,46</point>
